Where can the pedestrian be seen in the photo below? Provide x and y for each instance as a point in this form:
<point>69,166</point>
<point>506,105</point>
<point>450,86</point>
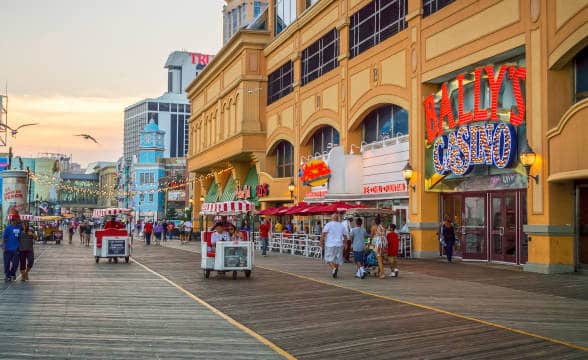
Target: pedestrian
<point>334,233</point>
<point>70,231</point>
<point>347,246</point>
<point>187,231</point>
<point>278,227</point>
<point>378,240</point>
<point>10,246</point>
<point>147,230</point>
<point>25,250</point>
<point>164,234</point>
<point>264,230</point>
<point>170,231</point>
<point>317,229</point>
<point>234,235</point>
<point>393,244</point>
<point>448,236</point>
<point>87,233</point>
<point>138,227</point>
<point>358,235</point>
<point>157,231</point>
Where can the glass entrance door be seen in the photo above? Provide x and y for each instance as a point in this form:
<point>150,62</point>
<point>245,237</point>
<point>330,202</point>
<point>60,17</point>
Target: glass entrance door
<point>452,207</point>
<point>473,227</point>
<point>503,227</point>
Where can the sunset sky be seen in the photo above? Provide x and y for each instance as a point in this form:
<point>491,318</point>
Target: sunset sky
<point>74,65</point>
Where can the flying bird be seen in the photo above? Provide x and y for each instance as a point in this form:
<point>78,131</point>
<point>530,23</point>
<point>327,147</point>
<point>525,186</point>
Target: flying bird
<point>13,132</point>
<point>88,137</point>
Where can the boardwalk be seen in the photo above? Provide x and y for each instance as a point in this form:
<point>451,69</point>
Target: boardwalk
<point>161,307</point>
<point>76,309</point>
<point>305,315</point>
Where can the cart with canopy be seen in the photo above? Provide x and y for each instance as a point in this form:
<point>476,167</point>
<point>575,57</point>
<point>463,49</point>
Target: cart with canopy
<point>226,256</point>
<point>113,241</point>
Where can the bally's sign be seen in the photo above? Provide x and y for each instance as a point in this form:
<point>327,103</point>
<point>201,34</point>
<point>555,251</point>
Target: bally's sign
<point>484,135</point>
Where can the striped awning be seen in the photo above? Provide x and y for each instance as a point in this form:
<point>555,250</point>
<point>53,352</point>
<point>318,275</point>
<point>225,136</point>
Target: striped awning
<point>227,208</point>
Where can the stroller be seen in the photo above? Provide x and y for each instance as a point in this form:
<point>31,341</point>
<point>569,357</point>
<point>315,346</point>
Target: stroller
<point>370,262</point>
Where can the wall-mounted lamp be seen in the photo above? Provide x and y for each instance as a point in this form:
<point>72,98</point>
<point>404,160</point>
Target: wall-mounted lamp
<point>351,152</point>
<point>291,189</point>
<point>202,199</point>
<point>407,173</point>
<point>527,158</point>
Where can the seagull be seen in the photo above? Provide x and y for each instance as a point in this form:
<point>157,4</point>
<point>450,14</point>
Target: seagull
<point>13,132</point>
<point>88,137</point>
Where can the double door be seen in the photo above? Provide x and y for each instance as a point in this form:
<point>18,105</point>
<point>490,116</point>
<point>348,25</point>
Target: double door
<point>489,225</point>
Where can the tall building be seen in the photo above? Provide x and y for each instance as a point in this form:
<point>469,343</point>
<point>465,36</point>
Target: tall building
<point>238,14</point>
<point>170,110</point>
<point>148,170</point>
<point>480,105</point>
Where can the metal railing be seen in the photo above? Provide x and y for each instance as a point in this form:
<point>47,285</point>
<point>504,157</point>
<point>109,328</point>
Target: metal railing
<point>310,245</point>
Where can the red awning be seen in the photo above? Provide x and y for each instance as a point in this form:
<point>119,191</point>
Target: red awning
<point>332,208</point>
<point>295,210</point>
<point>272,211</point>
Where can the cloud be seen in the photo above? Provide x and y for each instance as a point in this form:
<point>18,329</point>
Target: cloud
<point>62,117</point>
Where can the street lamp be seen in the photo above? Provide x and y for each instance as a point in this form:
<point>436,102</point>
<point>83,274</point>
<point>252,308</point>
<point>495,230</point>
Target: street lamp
<point>291,189</point>
<point>407,173</point>
<point>527,158</point>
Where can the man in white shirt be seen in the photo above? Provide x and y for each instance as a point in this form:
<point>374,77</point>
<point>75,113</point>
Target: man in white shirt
<point>187,230</point>
<point>334,233</point>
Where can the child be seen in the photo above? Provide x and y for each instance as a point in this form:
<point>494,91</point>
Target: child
<point>358,235</point>
<point>393,241</point>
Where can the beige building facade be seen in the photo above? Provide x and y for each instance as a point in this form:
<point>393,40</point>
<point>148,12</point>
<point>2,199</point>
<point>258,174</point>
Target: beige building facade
<point>468,88</point>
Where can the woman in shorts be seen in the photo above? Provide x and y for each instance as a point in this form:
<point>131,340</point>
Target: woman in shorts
<point>378,240</point>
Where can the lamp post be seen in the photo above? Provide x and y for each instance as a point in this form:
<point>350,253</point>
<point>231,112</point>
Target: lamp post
<point>202,216</point>
<point>407,173</point>
<point>528,158</point>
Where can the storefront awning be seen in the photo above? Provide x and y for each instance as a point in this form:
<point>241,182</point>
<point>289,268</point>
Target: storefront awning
<point>252,181</point>
<point>229,190</point>
<point>227,208</point>
<point>212,194</point>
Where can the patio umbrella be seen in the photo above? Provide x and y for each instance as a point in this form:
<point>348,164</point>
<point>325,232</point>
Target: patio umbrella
<point>295,210</point>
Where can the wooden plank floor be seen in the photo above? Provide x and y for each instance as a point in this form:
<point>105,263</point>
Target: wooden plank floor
<point>317,321</point>
<point>76,309</point>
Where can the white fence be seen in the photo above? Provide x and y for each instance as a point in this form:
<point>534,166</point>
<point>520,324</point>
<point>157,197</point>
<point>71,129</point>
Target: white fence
<point>310,245</point>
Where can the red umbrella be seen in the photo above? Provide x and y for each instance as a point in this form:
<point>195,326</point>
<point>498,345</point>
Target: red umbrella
<point>333,208</point>
<point>269,211</point>
<point>295,210</point>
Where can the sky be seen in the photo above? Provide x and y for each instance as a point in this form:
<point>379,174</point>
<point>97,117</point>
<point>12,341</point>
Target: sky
<point>74,65</point>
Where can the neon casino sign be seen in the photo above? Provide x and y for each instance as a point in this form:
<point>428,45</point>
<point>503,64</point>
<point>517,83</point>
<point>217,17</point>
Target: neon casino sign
<point>483,136</point>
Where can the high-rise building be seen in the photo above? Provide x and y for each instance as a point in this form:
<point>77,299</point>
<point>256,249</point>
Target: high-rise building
<point>170,111</point>
<point>238,14</point>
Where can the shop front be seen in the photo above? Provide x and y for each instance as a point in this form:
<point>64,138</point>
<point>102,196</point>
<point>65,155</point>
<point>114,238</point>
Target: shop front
<point>475,132</point>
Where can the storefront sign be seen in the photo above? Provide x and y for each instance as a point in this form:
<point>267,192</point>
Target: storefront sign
<point>317,194</point>
<point>262,190</point>
<point>384,188</point>
<point>243,192</point>
<point>437,122</point>
<point>484,144</point>
<point>475,120</point>
<point>315,173</point>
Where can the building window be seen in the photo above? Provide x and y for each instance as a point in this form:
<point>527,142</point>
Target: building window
<point>174,107</point>
<point>142,197</point>
<point>432,6</point>
<point>150,198</point>
<point>256,8</point>
<point>323,139</point>
<point>170,81</point>
<point>581,75</point>
<point>284,160</point>
<point>153,106</point>
<point>374,23</point>
<point>320,57</point>
<point>141,178</point>
<point>235,17</point>
<point>244,13</point>
<point>285,14</point>
<point>389,120</point>
<point>279,83</point>
<point>163,106</point>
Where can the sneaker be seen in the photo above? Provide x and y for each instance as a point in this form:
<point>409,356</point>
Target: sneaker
<point>6,279</point>
<point>396,272</point>
<point>334,272</point>
<point>13,278</point>
<point>392,274</point>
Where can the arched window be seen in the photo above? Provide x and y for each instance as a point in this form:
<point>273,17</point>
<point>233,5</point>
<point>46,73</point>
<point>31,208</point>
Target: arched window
<point>389,120</point>
<point>284,159</point>
<point>322,138</point>
<point>581,74</point>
